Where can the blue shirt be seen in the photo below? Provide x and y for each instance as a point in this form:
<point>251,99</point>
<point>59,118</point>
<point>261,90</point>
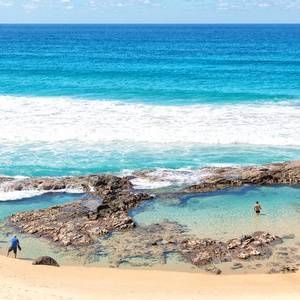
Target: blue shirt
<point>14,242</point>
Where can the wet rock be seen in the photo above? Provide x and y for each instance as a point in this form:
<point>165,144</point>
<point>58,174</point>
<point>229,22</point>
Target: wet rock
<point>236,266</point>
<point>255,253</point>
<point>203,251</point>
<point>201,259</point>
<point>283,253</point>
<point>283,270</point>
<point>213,270</point>
<point>288,236</point>
<point>46,260</point>
<point>76,222</point>
<point>271,174</point>
<point>243,255</point>
<point>97,184</point>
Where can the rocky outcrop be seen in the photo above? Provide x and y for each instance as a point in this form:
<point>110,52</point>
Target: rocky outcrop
<point>46,260</point>
<point>213,179</point>
<point>77,222</point>
<point>270,174</point>
<point>95,184</point>
<point>283,270</point>
<point>203,251</point>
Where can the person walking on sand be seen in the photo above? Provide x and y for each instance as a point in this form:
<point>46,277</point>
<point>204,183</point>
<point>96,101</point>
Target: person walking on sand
<point>14,244</point>
<point>257,207</point>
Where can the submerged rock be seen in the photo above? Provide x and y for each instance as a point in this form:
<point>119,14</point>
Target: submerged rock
<point>204,251</point>
<point>283,270</point>
<point>214,270</point>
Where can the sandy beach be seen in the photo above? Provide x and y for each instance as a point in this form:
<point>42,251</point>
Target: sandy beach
<point>19,279</point>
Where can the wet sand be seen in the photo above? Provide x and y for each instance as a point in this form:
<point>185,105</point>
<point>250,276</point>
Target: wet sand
<point>19,279</point>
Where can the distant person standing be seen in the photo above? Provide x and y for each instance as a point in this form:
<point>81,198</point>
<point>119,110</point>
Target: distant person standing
<point>257,207</point>
<point>14,244</point>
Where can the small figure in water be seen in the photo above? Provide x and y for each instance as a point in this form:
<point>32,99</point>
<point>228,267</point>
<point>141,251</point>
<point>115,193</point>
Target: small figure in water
<point>14,244</point>
<point>257,207</point>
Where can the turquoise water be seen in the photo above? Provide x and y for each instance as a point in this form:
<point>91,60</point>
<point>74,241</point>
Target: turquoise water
<point>8,208</point>
<point>81,99</point>
<point>228,214</point>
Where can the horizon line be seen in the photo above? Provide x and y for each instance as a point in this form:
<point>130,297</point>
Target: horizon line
<point>247,23</point>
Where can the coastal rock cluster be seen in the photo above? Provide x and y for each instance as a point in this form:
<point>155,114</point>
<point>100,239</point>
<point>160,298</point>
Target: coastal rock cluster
<point>95,184</point>
<point>105,207</point>
<point>203,251</point>
<point>77,221</point>
<point>287,173</point>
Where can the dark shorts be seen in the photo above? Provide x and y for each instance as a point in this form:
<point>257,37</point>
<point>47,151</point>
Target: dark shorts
<point>257,211</point>
<point>12,249</point>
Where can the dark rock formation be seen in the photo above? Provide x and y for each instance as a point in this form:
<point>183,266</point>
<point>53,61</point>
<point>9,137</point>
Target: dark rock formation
<point>271,174</point>
<point>283,270</point>
<point>95,184</point>
<point>77,221</point>
<point>46,260</point>
<point>203,251</point>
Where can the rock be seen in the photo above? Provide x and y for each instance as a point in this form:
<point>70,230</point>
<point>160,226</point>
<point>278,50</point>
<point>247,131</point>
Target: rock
<point>288,269</point>
<point>202,259</point>
<point>255,253</point>
<point>236,266</point>
<point>213,270</point>
<point>283,270</point>
<point>46,260</point>
<point>287,173</point>
<point>74,223</point>
<point>288,236</point>
<point>203,251</point>
<point>243,255</point>
<point>243,238</point>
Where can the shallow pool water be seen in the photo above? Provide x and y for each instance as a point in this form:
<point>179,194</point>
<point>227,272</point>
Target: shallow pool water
<point>32,247</point>
<point>220,215</point>
<point>8,208</point>
<point>228,213</point>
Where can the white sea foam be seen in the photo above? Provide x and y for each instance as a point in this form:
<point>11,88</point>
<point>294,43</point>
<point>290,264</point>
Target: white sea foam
<point>161,178</point>
<point>7,193</point>
<point>18,195</point>
<point>26,120</point>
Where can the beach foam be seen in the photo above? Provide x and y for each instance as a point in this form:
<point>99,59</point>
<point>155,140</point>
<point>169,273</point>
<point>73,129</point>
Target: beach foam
<point>45,119</point>
<point>8,193</point>
<point>161,178</point>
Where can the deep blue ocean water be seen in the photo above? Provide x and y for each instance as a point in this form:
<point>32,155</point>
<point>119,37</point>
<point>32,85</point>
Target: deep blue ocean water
<point>81,99</point>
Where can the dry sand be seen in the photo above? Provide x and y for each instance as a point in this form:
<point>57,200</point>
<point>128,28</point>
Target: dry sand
<point>19,279</point>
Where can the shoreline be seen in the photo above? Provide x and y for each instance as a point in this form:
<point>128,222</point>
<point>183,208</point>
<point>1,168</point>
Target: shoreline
<point>23,280</point>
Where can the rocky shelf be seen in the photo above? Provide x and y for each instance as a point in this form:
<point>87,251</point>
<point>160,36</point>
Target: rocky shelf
<point>77,221</point>
<point>111,198</point>
<point>287,173</point>
<point>204,251</point>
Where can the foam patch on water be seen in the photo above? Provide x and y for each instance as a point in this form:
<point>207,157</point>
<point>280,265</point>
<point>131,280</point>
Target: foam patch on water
<point>8,194</point>
<point>162,178</point>
<point>27,120</point>
<point>18,195</point>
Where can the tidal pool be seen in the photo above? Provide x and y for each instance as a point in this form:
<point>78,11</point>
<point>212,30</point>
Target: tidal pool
<point>32,247</point>
<point>228,213</point>
<point>219,215</point>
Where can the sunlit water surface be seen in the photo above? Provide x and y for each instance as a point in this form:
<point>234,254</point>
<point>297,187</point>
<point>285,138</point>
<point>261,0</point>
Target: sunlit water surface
<point>220,215</point>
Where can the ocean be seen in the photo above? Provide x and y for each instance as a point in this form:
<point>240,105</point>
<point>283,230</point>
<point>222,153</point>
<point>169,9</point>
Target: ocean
<point>81,99</point>
<point>113,99</point>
